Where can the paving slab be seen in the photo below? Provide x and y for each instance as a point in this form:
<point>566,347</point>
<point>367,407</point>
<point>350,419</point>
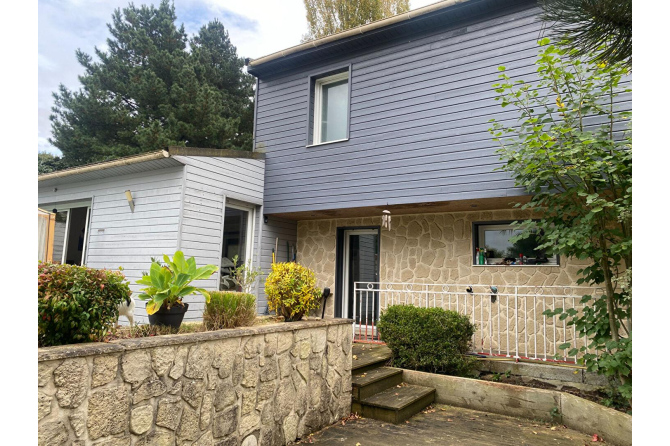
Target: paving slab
<point>447,425</point>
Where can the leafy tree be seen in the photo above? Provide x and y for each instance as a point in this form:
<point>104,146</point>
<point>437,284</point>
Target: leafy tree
<point>148,91</point>
<point>46,162</point>
<point>601,28</point>
<point>571,149</point>
<point>326,17</point>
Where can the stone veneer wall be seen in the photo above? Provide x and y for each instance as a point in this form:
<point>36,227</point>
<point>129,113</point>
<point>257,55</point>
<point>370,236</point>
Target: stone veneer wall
<point>264,385</point>
<point>426,248</point>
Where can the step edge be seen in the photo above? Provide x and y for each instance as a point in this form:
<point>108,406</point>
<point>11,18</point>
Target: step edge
<point>380,378</point>
<point>425,393</point>
<point>376,361</point>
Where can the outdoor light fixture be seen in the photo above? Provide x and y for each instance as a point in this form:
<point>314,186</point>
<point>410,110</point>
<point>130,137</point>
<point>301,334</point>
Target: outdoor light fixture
<point>386,219</point>
<point>131,203</point>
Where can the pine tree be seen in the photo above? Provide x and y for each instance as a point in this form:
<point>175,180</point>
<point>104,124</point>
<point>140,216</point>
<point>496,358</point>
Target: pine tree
<point>326,17</point>
<point>601,28</point>
<point>47,162</point>
<point>148,91</point>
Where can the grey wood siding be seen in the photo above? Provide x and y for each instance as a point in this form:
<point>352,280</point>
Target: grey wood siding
<point>277,230</point>
<point>175,208</point>
<point>419,121</point>
<point>242,179</point>
<point>207,181</point>
<point>119,237</point>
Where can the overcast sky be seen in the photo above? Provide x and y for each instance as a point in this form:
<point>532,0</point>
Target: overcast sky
<point>256,28</point>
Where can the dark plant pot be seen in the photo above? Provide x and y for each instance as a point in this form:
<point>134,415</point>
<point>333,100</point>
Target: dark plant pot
<point>169,318</point>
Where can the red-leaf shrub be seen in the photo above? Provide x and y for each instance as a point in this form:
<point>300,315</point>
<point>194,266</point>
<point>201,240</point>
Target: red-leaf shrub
<point>77,304</point>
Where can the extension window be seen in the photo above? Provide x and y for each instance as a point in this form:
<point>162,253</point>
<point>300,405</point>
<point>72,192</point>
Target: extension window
<point>329,114</point>
<point>496,238</point>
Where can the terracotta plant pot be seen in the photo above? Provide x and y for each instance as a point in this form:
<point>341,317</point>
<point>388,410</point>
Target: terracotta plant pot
<point>169,318</point>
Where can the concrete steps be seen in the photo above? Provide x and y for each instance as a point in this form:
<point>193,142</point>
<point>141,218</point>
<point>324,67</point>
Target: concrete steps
<point>378,391</point>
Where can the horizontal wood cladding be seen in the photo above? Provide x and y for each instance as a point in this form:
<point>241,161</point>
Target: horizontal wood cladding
<point>420,112</point>
<point>118,237</point>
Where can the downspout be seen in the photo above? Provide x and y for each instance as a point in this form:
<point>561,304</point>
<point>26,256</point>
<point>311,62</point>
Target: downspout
<point>253,135</point>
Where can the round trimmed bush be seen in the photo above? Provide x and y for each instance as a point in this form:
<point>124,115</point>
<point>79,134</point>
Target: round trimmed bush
<point>77,304</point>
<point>428,339</point>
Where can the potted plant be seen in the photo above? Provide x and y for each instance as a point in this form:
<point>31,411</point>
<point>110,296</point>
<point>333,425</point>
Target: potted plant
<point>167,284</point>
<point>291,290</point>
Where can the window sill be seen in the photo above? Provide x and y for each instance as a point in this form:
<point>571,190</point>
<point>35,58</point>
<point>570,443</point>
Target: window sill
<point>541,265</point>
<point>327,142</point>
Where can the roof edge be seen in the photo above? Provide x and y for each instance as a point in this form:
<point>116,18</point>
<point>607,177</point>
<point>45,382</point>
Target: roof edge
<point>151,156</point>
<point>215,153</point>
<point>362,29</point>
<point>160,154</point>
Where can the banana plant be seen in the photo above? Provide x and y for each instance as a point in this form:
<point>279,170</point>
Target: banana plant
<point>167,284</point>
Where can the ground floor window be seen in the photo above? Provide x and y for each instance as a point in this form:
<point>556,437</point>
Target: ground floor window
<point>493,246</point>
<point>70,233</point>
<point>237,241</point>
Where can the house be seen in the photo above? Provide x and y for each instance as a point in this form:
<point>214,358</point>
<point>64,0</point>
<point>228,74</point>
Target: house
<point>122,213</point>
<point>393,116</point>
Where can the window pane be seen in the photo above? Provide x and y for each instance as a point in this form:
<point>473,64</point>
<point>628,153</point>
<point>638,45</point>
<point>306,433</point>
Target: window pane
<point>235,230</point>
<point>76,235</point>
<point>496,240</point>
<point>59,236</point>
<point>334,105</point>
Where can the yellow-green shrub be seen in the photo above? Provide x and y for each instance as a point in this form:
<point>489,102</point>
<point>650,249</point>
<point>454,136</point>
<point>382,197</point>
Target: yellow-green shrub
<point>229,309</point>
<point>291,290</point>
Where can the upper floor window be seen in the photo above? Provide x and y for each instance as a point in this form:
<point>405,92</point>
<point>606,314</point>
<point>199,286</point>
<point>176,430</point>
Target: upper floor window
<point>330,108</point>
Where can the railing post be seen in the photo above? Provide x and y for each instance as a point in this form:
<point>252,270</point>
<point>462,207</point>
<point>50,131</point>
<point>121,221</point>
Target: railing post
<point>516,323</point>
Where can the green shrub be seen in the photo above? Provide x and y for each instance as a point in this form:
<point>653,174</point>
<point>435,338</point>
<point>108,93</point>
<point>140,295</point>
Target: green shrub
<point>229,309</point>
<point>77,304</point>
<point>428,339</point>
<point>291,290</point>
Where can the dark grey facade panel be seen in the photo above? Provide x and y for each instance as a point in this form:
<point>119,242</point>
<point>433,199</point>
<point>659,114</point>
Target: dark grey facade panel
<point>279,231</point>
<point>419,121</point>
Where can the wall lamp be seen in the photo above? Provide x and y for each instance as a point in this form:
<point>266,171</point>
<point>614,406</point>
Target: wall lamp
<point>131,202</point>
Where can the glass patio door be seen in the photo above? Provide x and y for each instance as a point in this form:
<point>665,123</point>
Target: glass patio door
<point>361,264</point>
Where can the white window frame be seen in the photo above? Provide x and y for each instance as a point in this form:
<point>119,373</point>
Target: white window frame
<point>318,94</point>
<point>248,251</point>
<point>61,207</point>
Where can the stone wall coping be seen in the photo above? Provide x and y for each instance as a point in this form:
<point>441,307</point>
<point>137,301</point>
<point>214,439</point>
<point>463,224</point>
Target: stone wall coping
<point>121,345</point>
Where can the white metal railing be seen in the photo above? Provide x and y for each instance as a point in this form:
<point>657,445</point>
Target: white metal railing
<point>508,318</point>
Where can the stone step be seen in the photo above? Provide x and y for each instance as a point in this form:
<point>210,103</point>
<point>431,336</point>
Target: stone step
<point>366,384</point>
<point>395,404</point>
<point>369,358</point>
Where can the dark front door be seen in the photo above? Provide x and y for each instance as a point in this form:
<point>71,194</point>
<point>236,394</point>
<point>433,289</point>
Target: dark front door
<point>361,264</point>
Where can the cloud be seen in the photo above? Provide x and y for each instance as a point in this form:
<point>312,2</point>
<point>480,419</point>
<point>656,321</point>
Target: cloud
<point>255,27</point>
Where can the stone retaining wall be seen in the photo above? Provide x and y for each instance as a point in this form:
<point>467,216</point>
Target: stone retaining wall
<point>263,385</point>
<point>535,404</point>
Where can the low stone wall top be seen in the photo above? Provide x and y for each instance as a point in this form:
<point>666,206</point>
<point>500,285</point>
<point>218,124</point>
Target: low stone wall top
<point>259,385</point>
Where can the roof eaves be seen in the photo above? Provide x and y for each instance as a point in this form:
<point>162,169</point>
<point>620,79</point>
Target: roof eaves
<point>171,151</point>
<point>362,29</point>
<point>160,154</point>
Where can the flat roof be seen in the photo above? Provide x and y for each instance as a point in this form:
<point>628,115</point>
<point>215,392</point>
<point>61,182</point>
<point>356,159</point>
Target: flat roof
<point>152,160</point>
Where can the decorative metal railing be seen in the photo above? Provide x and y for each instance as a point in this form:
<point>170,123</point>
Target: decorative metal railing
<point>508,319</point>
